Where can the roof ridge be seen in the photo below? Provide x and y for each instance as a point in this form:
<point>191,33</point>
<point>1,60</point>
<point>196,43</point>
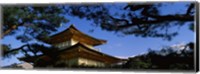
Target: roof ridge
<point>73,31</point>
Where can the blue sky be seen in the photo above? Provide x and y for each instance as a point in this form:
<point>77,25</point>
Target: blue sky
<point>118,46</point>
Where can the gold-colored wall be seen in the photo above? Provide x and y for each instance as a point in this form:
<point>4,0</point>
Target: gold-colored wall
<point>81,62</point>
<point>88,62</point>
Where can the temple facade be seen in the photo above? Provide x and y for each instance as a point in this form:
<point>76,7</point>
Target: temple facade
<point>77,49</point>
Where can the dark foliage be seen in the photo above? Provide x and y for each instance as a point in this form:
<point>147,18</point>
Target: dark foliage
<point>5,49</point>
<point>35,21</point>
<point>139,19</point>
<point>167,59</point>
<point>32,22</point>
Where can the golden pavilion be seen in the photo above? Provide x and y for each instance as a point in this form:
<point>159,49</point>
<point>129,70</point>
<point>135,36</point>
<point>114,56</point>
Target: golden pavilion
<point>75,49</point>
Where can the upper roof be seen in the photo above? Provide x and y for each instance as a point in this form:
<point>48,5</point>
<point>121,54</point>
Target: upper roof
<point>73,33</point>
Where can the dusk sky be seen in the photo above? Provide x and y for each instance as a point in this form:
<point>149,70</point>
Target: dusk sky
<point>126,46</point>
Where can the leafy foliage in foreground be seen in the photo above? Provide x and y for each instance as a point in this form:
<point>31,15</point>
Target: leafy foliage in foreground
<point>139,19</point>
<point>35,21</point>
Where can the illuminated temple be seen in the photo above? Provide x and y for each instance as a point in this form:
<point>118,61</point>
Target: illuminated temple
<point>76,49</point>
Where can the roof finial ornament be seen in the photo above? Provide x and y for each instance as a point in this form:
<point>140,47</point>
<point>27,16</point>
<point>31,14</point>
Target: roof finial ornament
<point>72,25</point>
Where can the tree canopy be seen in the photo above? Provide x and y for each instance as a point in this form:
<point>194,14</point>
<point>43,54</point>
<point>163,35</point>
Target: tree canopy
<point>36,21</point>
<point>139,19</point>
<point>32,22</point>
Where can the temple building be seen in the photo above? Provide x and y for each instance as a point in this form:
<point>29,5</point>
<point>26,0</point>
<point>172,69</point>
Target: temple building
<point>76,49</point>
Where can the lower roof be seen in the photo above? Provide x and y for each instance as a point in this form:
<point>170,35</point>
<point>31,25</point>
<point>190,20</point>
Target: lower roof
<point>85,52</point>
